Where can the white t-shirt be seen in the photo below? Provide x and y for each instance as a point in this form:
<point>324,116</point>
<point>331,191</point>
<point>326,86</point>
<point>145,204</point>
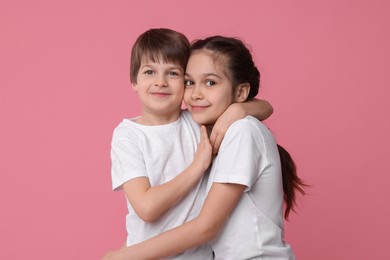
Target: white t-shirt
<point>160,153</point>
<point>249,156</point>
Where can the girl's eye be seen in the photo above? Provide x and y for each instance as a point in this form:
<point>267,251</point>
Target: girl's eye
<point>188,83</point>
<point>210,83</point>
<point>148,72</point>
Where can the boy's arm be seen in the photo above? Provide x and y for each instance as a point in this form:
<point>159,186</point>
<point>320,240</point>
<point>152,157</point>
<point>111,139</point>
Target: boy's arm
<point>220,202</point>
<point>150,202</point>
<point>261,109</point>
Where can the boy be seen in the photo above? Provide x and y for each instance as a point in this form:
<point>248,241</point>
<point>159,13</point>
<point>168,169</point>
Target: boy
<point>153,156</point>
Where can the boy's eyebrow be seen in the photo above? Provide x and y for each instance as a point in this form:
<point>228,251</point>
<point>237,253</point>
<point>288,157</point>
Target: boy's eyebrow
<point>170,67</point>
<point>145,65</point>
<point>176,67</point>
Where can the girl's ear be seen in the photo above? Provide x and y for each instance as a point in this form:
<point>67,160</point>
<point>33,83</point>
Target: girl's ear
<point>242,92</point>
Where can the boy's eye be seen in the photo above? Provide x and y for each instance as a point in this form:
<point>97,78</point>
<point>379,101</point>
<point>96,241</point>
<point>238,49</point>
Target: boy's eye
<point>188,83</point>
<point>210,83</point>
<point>173,73</point>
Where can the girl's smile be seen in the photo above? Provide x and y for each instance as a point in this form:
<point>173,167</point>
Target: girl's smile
<point>197,108</point>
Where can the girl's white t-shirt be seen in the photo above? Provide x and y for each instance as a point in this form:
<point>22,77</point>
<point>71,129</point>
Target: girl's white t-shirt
<point>249,156</point>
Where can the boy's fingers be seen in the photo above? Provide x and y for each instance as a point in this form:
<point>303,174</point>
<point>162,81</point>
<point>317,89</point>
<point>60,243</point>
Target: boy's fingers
<point>217,143</point>
<point>203,132</point>
<point>213,136</point>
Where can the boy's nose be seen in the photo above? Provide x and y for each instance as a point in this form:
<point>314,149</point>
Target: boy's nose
<point>161,82</point>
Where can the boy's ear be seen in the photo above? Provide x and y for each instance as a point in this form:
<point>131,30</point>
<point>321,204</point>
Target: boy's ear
<point>242,92</point>
<point>134,86</point>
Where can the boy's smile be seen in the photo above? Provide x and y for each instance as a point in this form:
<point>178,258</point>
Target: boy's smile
<point>160,94</point>
<point>160,87</point>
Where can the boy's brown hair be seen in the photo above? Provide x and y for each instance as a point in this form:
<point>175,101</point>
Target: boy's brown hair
<point>159,45</point>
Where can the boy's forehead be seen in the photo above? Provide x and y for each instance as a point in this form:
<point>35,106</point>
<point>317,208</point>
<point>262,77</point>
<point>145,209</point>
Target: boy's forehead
<point>158,60</point>
<point>157,56</point>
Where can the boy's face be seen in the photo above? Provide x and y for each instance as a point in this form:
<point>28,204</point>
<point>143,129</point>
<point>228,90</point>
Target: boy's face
<point>160,87</point>
<point>208,91</point>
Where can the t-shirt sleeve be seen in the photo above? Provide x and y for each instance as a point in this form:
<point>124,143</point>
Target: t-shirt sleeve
<point>127,160</point>
<point>241,155</point>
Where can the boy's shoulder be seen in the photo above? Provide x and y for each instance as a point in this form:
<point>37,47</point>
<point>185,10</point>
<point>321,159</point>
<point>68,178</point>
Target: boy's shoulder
<point>125,128</point>
<point>126,123</point>
<point>185,113</point>
<point>186,116</point>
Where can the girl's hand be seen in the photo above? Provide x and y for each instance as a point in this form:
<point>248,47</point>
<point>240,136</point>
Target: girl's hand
<point>204,151</point>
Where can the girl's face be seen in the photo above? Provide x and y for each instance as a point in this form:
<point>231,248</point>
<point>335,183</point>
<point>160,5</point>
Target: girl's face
<point>209,91</point>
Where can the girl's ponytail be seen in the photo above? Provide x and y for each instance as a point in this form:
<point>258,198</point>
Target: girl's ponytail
<point>291,181</point>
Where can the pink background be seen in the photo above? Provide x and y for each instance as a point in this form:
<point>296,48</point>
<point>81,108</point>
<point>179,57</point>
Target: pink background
<point>65,86</point>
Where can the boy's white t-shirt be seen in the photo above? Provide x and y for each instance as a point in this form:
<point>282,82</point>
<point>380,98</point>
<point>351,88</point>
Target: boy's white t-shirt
<point>159,153</point>
<point>249,156</point>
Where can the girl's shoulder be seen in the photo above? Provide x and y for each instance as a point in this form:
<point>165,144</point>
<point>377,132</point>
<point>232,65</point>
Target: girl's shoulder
<point>247,124</point>
<point>250,127</point>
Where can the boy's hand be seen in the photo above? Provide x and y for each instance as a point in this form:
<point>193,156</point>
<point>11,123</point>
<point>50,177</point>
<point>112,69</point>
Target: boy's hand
<point>233,113</point>
<point>204,151</point>
<point>120,254</point>
<point>111,255</point>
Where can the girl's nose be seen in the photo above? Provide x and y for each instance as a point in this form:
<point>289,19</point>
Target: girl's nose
<point>196,93</point>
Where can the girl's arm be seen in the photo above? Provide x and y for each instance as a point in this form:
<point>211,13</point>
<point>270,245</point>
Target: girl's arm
<point>261,109</point>
<point>150,202</point>
<point>220,202</point>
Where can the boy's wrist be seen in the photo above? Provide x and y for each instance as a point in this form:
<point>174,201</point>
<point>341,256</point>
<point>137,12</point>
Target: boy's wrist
<point>239,110</point>
<point>197,168</point>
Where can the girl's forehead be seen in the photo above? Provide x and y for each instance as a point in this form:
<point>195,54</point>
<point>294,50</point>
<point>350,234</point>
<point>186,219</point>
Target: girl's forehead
<point>204,54</point>
<point>209,60</point>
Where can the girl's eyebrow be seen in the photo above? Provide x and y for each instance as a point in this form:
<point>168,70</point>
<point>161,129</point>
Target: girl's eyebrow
<point>206,75</point>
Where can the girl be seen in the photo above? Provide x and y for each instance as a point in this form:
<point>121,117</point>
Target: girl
<point>242,216</point>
